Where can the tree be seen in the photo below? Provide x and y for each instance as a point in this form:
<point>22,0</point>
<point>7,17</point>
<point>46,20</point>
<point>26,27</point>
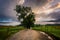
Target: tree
<point>25,16</point>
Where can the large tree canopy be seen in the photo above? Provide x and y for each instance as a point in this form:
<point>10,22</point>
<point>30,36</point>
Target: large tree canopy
<point>25,16</point>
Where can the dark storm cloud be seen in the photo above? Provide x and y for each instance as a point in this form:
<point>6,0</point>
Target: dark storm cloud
<point>35,3</point>
<point>55,15</point>
<point>7,6</point>
<point>7,9</point>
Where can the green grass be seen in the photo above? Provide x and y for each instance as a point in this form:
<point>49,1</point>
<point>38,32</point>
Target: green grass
<point>55,30</point>
<point>6,32</point>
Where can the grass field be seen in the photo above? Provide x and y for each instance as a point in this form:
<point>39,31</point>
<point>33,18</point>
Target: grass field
<point>54,30</point>
<point>8,31</point>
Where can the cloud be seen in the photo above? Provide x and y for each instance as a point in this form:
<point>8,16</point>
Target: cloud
<point>20,2</point>
<point>35,4</point>
<point>7,9</point>
<point>55,15</point>
<point>10,23</point>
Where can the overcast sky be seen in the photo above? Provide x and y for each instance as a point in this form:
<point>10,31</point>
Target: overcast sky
<point>7,9</point>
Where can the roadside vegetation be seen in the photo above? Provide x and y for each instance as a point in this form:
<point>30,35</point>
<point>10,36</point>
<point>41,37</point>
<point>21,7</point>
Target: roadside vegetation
<point>6,31</point>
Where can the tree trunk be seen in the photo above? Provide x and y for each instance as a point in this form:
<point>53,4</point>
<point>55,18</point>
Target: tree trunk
<point>28,27</point>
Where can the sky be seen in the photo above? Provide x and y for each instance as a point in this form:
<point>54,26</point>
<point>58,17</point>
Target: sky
<point>45,10</point>
<point>7,9</point>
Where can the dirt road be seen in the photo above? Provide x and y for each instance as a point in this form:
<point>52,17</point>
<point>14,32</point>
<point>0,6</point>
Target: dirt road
<point>30,35</point>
